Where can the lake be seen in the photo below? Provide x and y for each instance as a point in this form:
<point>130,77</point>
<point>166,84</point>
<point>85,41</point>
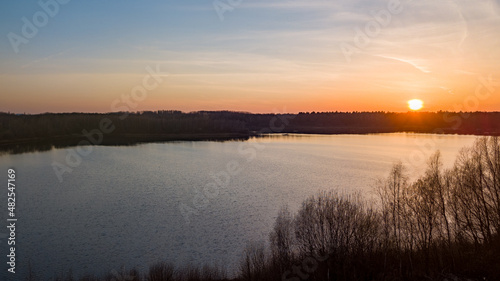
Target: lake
<point>187,202</point>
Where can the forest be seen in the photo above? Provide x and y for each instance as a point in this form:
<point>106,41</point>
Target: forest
<point>29,132</point>
<point>444,225</point>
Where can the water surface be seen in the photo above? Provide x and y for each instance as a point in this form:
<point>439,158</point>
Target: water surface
<point>121,205</point>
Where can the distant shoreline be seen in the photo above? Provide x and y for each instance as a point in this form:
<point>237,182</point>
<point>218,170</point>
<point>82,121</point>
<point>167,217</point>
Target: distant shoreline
<point>45,144</point>
<point>41,132</point>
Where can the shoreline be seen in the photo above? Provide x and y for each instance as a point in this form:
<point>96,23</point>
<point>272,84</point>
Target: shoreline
<point>26,145</point>
<point>24,133</point>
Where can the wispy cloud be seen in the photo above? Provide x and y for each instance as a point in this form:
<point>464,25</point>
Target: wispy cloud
<point>44,59</point>
<point>412,62</point>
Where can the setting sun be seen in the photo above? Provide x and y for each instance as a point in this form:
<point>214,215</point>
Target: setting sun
<point>415,104</point>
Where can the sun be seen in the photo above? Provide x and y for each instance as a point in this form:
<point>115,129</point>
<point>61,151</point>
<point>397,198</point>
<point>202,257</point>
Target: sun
<point>415,104</point>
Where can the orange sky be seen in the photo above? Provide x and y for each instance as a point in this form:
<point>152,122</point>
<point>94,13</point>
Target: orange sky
<point>263,56</point>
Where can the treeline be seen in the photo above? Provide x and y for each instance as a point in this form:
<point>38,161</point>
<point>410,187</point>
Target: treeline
<point>442,226</point>
<point>24,133</point>
<point>128,128</point>
<point>478,123</point>
<point>139,123</point>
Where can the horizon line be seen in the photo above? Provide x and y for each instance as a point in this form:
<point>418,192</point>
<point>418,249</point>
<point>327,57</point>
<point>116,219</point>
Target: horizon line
<point>246,112</point>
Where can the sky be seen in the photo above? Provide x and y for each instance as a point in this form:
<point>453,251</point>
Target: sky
<point>249,55</point>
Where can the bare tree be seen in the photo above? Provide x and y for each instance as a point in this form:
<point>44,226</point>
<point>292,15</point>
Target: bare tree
<point>392,197</point>
<point>282,239</point>
<point>253,264</point>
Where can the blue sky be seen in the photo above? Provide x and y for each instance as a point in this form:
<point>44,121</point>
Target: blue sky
<point>263,55</point>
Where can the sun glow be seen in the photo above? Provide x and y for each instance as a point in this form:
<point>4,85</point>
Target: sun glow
<point>415,104</point>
